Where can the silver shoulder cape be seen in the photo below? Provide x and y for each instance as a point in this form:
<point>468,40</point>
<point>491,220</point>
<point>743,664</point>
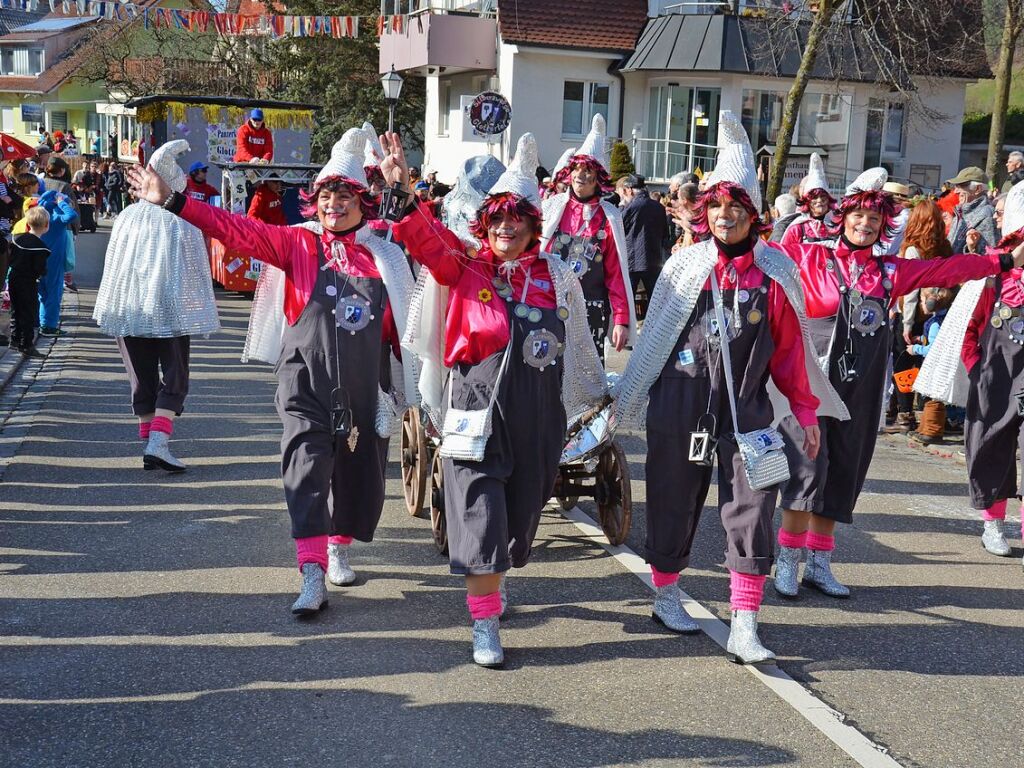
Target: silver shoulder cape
<point>583,383</point>
<point>672,304</point>
<point>156,278</point>
<point>943,375</point>
<point>554,207</point>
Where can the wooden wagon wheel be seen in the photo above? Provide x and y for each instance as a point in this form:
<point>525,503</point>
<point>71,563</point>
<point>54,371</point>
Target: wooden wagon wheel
<point>613,494</point>
<point>415,459</point>
<point>438,525</point>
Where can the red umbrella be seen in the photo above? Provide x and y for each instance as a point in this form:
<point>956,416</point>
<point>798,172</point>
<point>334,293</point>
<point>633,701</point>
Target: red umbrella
<point>12,149</point>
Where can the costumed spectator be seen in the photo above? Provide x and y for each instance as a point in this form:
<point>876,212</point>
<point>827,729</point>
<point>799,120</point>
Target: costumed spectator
<point>267,205</point>
<point>978,361</point>
<point>785,214</point>
<point>973,210</point>
<point>156,294</point>
<point>816,220</point>
<point>71,144</point>
<point>850,285</point>
<point>197,187</point>
<point>51,286</point>
<point>682,212</point>
<point>1014,171</point>
<point>29,255</point>
<point>935,303</point>
<point>254,143</point>
<point>332,357</point>
<point>59,142</point>
<point>645,225</point>
<point>513,332</point>
<point>586,233</point>
<point>725,319</point>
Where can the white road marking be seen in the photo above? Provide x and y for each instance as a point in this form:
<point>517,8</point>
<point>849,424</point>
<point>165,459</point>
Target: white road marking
<point>827,720</point>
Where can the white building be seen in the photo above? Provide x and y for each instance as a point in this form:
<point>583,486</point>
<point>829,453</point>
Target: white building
<point>660,78</point>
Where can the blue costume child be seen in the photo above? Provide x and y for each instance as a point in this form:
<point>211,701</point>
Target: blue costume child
<point>51,285</point>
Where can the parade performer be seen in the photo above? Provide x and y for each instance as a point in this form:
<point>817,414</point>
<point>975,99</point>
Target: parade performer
<point>254,143</point>
<point>513,332</point>
<point>686,377</point>
<point>58,239</point>
<point>850,285</point>
<point>977,361</point>
<point>331,360</point>
<point>267,204</point>
<point>156,294</point>
<point>586,233</point>
<point>817,208</point>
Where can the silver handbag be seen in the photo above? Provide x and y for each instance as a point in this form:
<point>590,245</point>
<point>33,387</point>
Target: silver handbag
<point>764,460</point>
<point>387,417</point>
<point>464,434</point>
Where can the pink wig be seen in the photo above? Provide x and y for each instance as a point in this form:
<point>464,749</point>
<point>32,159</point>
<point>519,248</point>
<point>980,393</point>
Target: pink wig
<point>725,192</point>
<point>805,200</point>
<point>374,174</point>
<point>369,206</point>
<point>505,203</point>
<point>871,200</point>
<point>604,181</point>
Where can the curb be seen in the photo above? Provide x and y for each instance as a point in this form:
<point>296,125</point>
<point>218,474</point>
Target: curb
<point>950,451</point>
<point>11,360</point>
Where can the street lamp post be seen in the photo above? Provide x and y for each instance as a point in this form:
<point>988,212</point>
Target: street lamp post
<point>392,83</point>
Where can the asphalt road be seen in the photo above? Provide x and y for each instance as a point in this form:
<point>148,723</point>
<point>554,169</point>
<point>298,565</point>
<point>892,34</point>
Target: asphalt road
<point>144,617</point>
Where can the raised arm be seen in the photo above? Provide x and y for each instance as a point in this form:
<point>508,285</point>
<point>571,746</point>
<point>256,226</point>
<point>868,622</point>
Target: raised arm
<point>432,244</point>
<point>950,272</point>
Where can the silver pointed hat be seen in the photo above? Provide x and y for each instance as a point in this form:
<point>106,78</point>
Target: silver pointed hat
<point>871,180</point>
<point>520,178</point>
<point>815,178</point>
<point>593,145</point>
<point>347,158</point>
<point>735,157</point>
<point>164,162</point>
<point>479,174</point>
<point>1013,213</point>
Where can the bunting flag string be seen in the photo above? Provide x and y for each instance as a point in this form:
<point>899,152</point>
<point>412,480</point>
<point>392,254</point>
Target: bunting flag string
<point>227,24</point>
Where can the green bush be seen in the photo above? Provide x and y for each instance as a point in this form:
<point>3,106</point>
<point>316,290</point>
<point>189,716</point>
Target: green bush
<point>621,161</point>
<point>977,126</point>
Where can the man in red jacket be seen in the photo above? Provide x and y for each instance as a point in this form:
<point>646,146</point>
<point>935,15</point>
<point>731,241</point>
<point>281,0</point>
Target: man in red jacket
<point>254,142</point>
<point>196,187</point>
<point>266,204</point>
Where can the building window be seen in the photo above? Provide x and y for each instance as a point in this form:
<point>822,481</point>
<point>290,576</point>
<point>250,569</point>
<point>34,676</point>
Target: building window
<point>444,107</point>
<point>762,116</point>
<point>580,102</point>
<point>35,61</point>
<point>894,120</point>
<point>58,121</point>
<point>21,60</point>
<point>7,119</point>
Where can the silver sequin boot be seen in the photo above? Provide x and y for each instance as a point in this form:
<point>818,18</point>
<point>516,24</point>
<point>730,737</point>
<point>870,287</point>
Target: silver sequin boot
<point>339,572</point>
<point>818,574</point>
<point>744,646</point>
<point>503,592</point>
<point>158,454</point>
<point>487,651</point>
<point>669,611</point>
<point>993,538</point>
<point>313,596</point>
<point>787,571</point>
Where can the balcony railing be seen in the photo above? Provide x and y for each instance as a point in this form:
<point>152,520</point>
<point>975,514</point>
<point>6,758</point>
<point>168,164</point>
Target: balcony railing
<point>484,8</point>
<point>661,159</point>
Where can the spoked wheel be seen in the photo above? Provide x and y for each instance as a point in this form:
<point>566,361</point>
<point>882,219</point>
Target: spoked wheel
<point>438,525</point>
<point>613,494</point>
<point>415,459</point>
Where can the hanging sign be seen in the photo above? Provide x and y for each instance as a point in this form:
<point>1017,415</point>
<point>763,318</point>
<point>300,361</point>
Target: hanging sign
<point>490,113</point>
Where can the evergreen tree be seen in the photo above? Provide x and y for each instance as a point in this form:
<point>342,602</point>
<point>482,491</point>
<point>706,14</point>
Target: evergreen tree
<point>621,161</point>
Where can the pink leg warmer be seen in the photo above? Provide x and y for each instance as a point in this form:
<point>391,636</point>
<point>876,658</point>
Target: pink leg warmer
<point>819,542</point>
<point>792,540</point>
<point>484,606</point>
<point>162,424</point>
<point>1022,521</point>
<point>343,540</point>
<point>144,427</point>
<point>662,579</point>
<point>996,512</point>
<point>745,591</point>
<point>311,549</point>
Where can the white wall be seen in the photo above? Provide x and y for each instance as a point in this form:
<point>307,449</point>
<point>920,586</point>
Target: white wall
<point>938,142</point>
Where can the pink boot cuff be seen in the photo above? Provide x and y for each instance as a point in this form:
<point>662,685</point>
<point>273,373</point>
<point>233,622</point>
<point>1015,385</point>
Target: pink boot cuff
<point>792,540</point>
<point>484,606</point>
<point>819,542</point>
<point>996,512</point>
<point>343,540</point>
<point>745,591</point>
<point>312,549</point>
<point>662,579</point>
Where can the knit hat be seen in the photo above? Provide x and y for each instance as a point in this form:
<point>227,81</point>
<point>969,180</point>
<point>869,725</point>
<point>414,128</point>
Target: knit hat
<point>735,158</point>
<point>1013,211</point>
<point>871,180</point>
<point>593,145</point>
<point>164,162</point>
<point>815,178</point>
<point>563,161</point>
<point>520,178</point>
<point>347,158</point>
<point>373,155</point>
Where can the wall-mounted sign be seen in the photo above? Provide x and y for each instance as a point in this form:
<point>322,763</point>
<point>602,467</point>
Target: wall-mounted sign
<point>489,113</point>
<point>32,113</point>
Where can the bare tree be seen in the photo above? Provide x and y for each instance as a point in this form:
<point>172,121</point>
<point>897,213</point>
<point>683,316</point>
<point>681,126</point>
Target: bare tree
<point>1011,15</point>
<point>898,44</point>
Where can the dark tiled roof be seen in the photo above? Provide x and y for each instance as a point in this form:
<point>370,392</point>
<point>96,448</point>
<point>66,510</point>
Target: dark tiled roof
<point>10,18</point>
<point>725,43</point>
<point>592,25</point>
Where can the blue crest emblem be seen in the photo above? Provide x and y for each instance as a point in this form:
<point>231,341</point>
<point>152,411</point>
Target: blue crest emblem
<point>462,425</point>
